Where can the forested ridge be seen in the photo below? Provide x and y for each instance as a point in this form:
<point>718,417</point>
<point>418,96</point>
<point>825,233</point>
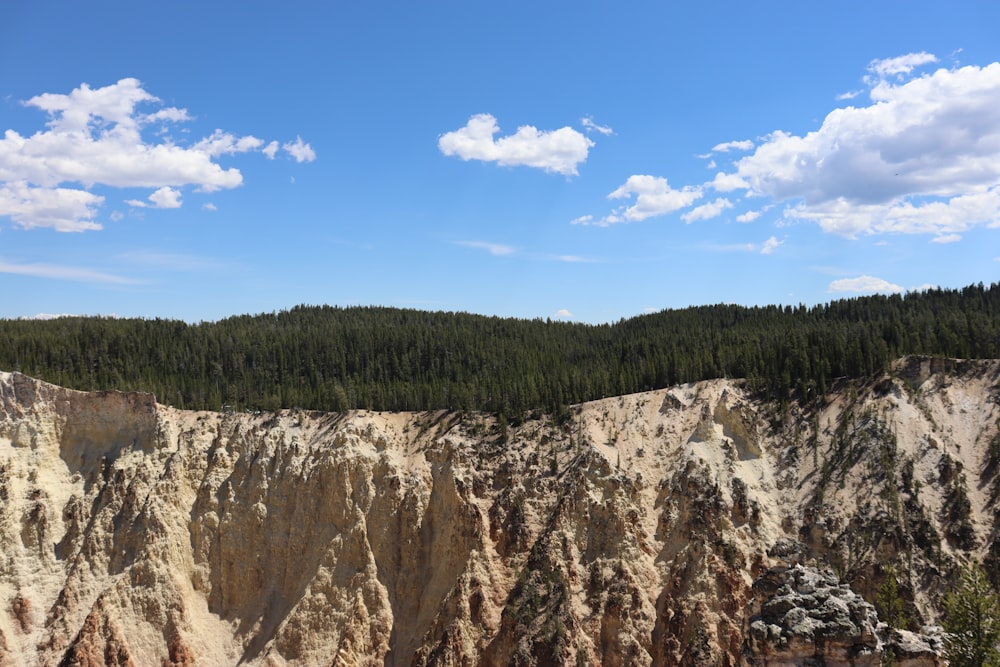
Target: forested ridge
<point>334,358</point>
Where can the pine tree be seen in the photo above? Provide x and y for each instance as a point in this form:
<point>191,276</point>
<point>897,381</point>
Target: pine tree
<point>972,621</point>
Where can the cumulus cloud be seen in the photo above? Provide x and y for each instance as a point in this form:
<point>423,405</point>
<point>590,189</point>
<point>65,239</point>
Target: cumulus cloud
<point>863,285</point>
<point>100,137</point>
<point>728,182</point>
<point>562,312</point>
<point>707,211</point>
<point>922,156</point>
<point>770,246</point>
<point>300,150</point>
<point>653,197</point>
<point>559,151</point>
<point>165,197</point>
<point>62,209</point>
<point>749,216</point>
<point>223,143</point>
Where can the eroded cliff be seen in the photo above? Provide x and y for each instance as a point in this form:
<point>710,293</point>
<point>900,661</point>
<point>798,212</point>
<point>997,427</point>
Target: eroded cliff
<point>629,532</point>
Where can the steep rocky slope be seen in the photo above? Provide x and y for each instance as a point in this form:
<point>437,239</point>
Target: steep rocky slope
<point>629,532</point>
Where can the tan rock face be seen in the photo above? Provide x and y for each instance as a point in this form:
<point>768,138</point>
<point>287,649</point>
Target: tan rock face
<point>632,534</point>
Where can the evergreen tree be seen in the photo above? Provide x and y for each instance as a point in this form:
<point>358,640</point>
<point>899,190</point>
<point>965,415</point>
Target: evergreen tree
<point>972,621</point>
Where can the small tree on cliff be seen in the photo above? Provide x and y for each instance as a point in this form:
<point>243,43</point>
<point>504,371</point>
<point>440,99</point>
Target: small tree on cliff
<point>972,620</point>
<point>890,604</point>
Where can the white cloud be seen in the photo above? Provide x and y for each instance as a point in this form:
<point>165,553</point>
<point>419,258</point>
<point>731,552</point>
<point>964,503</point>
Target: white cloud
<point>744,145</point>
<point>559,151</point>
<point>863,285</point>
<point>62,209</point>
<point>495,249</point>
<point>923,158</point>
<point>76,274</point>
<point>300,150</point>
<point>46,316</point>
<point>224,143</point>
<point>947,238</point>
<point>749,216</point>
<point>96,137</point>
<point>849,95</point>
<point>904,216</point>
<point>707,211</point>
<point>270,150</point>
<point>582,220</point>
<point>654,197</point>
<point>728,182</point>
<point>562,312</point>
<point>589,125</point>
<point>770,246</point>
<point>209,206</point>
<point>900,64</point>
<point>165,197</point>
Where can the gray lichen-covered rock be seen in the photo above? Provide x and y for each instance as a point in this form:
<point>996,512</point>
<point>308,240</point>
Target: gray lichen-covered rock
<point>803,616</point>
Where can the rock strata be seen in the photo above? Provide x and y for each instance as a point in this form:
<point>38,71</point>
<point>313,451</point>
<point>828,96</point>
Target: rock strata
<point>694,525</point>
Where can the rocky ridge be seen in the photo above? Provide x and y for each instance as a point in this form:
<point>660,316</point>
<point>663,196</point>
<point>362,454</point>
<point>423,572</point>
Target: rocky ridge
<point>674,527</point>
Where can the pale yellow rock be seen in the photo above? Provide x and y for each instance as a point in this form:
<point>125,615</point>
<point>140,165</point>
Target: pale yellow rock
<point>134,533</point>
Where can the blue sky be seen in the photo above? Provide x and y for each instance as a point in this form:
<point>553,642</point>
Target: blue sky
<point>584,161</point>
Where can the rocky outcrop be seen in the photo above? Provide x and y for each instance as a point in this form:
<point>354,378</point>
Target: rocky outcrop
<point>631,533</point>
<point>802,616</point>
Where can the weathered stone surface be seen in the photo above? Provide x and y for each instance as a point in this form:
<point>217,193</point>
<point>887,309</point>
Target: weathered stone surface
<point>688,526</point>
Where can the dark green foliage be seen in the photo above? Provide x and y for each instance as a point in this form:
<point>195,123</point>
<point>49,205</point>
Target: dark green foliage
<point>330,358</point>
<point>972,620</point>
<point>890,603</point>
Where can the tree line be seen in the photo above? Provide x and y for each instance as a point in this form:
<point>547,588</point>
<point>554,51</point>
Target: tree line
<point>336,358</point>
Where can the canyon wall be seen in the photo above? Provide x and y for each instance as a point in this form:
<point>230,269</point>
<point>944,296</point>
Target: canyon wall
<point>695,525</point>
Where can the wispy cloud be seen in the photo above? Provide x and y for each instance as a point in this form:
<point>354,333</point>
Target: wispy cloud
<point>171,261</point>
<point>574,259</point>
<point>57,272</point>
<point>589,125</point>
<point>727,146</point>
<point>496,249</point>
<point>560,151</point>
